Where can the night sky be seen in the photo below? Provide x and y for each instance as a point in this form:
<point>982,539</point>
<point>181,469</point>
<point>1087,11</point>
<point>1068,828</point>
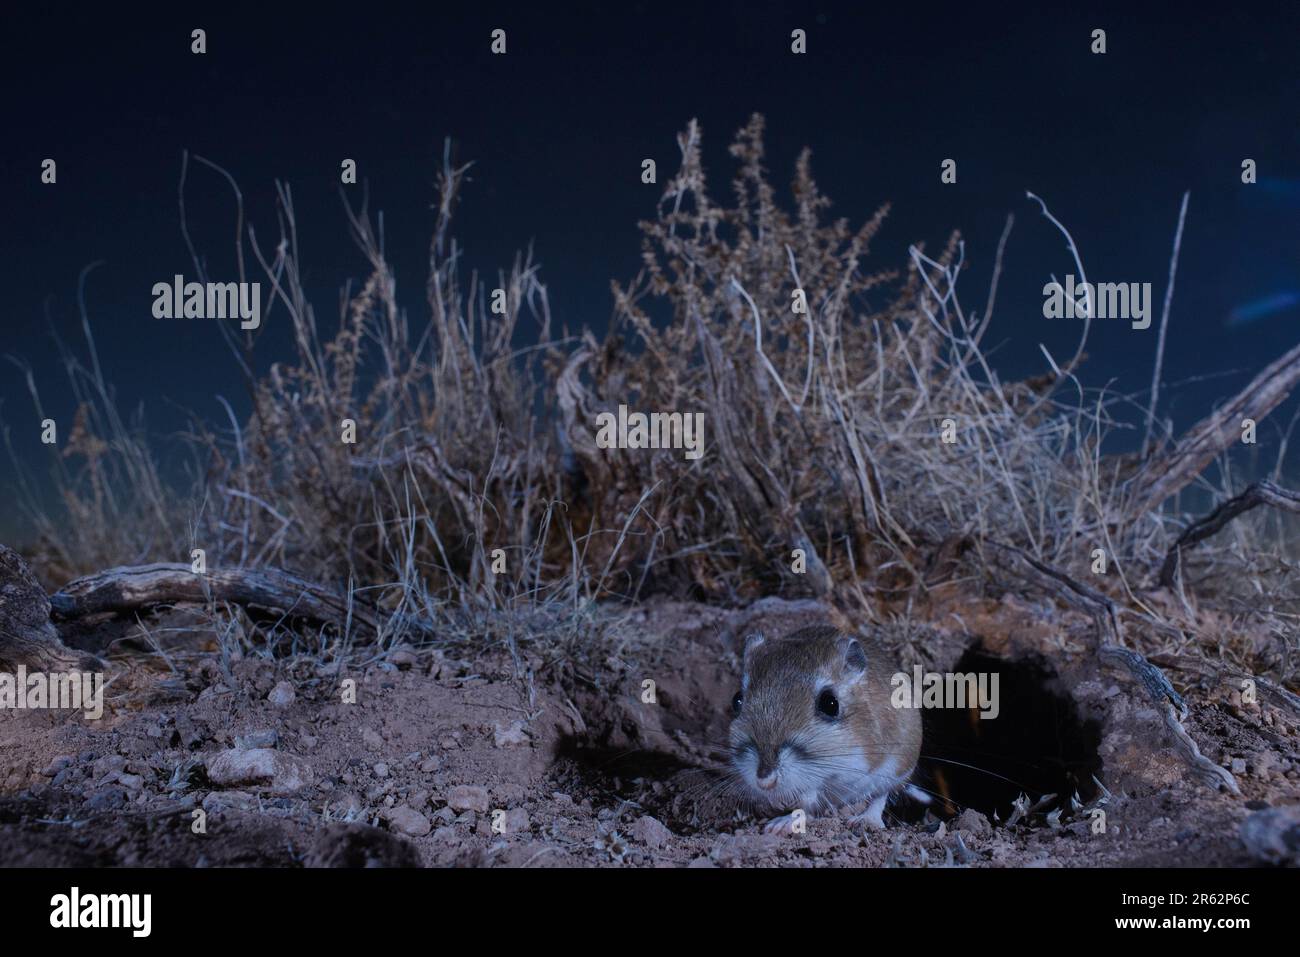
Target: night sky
<point>558,128</point>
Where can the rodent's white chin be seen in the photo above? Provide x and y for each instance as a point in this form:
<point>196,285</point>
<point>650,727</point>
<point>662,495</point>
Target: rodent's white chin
<point>794,787</point>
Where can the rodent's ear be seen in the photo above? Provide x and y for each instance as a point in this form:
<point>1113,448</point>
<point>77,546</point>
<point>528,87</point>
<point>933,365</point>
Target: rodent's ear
<point>855,658</point>
<point>752,643</point>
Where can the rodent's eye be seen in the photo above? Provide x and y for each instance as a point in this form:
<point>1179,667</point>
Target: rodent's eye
<point>736,702</point>
<point>828,704</point>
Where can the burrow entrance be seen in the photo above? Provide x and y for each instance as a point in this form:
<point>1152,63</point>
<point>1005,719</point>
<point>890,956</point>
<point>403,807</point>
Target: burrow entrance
<point>1039,743</point>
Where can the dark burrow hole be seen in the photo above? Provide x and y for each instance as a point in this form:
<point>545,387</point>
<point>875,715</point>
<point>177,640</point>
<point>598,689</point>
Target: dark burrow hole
<point>1039,744</point>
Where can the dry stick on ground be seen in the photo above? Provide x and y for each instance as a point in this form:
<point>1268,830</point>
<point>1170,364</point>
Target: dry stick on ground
<point>130,588</point>
<point>26,636</point>
<point>1165,475</point>
<point>1261,493</point>
<point>1105,613</point>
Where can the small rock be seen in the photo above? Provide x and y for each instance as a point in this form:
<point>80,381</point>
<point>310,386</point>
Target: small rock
<point>109,767</point>
<point>513,736</point>
<point>408,821</point>
<point>1238,765</point>
<point>57,765</point>
<point>1273,836</point>
<point>132,782</point>
<point>381,770</point>
<point>216,802</point>
<point>431,764</point>
<point>650,831</point>
<point>108,798</point>
<point>66,777</point>
<point>468,797</point>
<point>261,738</point>
<point>513,821</point>
<point>734,848</point>
<point>371,739</point>
<point>973,821</point>
<point>282,695</point>
<point>278,772</point>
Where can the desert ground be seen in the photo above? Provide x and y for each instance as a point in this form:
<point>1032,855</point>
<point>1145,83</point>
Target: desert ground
<point>529,762</point>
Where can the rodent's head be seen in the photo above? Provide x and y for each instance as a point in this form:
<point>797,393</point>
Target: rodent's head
<point>799,717</point>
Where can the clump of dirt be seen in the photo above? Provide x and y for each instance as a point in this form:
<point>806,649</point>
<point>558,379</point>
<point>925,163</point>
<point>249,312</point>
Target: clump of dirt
<point>423,758</point>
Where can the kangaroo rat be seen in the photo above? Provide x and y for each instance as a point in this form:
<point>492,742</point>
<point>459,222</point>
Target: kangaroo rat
<point>814,727</point>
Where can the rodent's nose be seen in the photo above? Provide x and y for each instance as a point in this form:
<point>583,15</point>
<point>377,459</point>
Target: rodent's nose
<point>768,781</point>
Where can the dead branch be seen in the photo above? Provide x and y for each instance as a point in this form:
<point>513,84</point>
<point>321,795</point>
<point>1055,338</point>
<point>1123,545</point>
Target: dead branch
<point>1261,493</point>
<point>1215,433</point>
<point>132,588</point>
<point>1218,671</point>
<point>26,636</point>
<point>1157,686</point>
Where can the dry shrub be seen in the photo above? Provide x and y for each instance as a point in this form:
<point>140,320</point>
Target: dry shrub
<point>824,426</point>
<point>824,429</point>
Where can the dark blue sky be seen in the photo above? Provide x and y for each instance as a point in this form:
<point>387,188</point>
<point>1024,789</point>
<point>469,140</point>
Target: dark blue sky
<point>558,128</point>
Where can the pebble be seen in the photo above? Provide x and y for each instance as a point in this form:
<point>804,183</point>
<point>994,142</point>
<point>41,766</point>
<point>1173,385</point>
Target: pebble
<point>408,821</point>
<point>1273,836</point>
<point>282,695</point>
<point>514,821</point>
<point>278,772</point>
<point>57,765</point>
<point>512,736</point>
<point>973,821</point>
<point>217,802</point>
<point>403,658</point>
<point>261,738</point>
<point>108,798</point>
<point>371,739</point>
<point>650,831</point>
<point>468,797</point>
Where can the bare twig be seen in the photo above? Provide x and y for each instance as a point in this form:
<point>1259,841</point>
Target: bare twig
<point>1164,323</point>
<point>1260,493</point>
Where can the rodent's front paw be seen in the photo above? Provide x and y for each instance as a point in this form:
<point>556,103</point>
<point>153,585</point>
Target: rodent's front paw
<point>874,816</point>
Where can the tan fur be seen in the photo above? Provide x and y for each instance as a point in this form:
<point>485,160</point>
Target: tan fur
<point>783,678</point>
